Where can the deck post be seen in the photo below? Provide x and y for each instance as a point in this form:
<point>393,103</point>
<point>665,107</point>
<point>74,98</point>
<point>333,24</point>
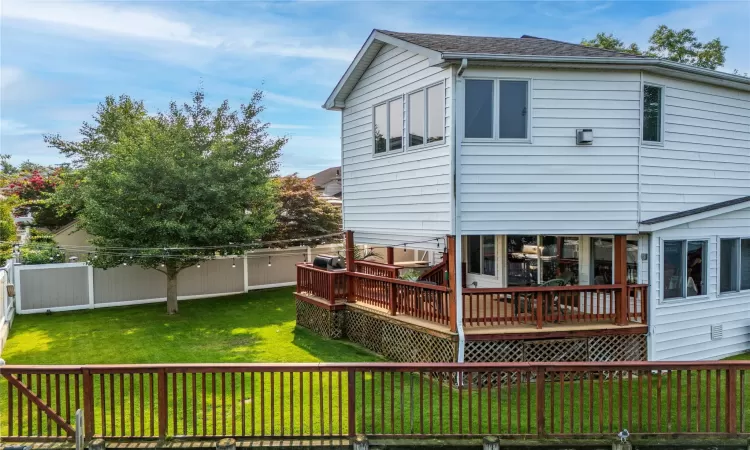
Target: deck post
<point>349,252</point>
<point>450,244</point>
<point>622,299</point>
<point>389,258</point>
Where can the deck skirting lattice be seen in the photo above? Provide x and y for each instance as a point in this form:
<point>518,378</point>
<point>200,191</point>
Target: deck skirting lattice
<point>326,323</point>
<point>403,342</point>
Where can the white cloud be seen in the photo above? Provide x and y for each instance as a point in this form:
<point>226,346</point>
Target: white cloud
<point>291,101</point>
<point>10,127</point>
<point>9,75</point>
<point>154,26</point>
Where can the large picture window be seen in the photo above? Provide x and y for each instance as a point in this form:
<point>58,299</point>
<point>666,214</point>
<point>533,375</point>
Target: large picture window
<point>388,126</point>
<point>496,109</point>
<point>652,113</point>
<point>684,269</point>
<point>482,256</point>
<point>534,260</point>
<point>734,265</point>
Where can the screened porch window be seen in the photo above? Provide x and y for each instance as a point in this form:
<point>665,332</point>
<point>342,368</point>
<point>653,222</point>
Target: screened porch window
<point>602,261</point>
<point>482,255</point>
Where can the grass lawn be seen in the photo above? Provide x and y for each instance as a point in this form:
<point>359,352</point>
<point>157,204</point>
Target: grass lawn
<point>260,327</point>
<point>254,327</point>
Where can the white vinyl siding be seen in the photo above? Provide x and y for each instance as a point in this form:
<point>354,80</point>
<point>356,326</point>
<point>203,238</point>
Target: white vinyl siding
<point>681,328</point>
<point>399,197</point>
<point>550,185</point>
<point>705,155</point>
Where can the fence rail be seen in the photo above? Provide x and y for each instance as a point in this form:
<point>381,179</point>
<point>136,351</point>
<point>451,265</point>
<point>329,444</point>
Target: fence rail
<point>378,269</point>
<point>378,399</point>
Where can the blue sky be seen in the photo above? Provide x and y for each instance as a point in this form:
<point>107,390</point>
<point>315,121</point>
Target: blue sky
<point>58,59</point>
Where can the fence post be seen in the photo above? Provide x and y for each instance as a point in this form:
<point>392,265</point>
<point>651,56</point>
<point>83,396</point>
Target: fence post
<point>540,397</point>
<point>351,399</point>
<point>332,287</point>
<point>731,390</point>
<point>88,404</point>
<point>162,402</point>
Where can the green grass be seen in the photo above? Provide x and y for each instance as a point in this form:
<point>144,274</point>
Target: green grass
<point>254,327</point>
<point>260,327</point>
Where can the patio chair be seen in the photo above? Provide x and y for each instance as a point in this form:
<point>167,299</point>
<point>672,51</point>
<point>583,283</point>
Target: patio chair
<point>527,303</point>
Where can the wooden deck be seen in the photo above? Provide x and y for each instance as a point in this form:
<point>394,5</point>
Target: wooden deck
<point>514,331</point>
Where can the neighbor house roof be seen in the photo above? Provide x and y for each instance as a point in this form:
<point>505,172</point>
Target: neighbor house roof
<point>325,176</point>
<point>443,50</point>
<point>690,215</point>
<point>525,45</point>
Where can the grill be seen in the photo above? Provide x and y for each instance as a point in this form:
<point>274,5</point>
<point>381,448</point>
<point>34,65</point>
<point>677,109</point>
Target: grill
<point>328,262</point>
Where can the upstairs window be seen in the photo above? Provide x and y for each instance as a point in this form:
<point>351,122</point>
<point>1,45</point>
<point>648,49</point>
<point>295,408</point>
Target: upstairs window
<point>427,116</point>
<point>388,126</point>
<point>496,109</point>
<point>652,113</point>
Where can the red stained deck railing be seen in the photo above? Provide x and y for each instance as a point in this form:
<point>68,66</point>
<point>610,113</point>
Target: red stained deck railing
<point>266,401</point>
<point>559,304</point>
<point>375,268</point>
<point>435,274</point>
<point>326,284</point>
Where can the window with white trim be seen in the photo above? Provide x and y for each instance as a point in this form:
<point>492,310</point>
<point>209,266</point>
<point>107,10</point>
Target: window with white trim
<point>496,109</point>
<point>388,126</point>
<point>684,268</point>
<point>653,108</point>
<point>426,116</point>
<point>481,255</point>
<point>734,265</point>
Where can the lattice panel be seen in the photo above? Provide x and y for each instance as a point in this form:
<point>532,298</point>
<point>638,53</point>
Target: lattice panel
<point>555,350</point>
<point>493,351</point>
<point>618,348</point>
<point>397,342</point>
<point>326,323</point>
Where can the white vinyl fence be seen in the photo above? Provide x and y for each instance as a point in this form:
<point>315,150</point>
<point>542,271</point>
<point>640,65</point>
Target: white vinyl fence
<point>71,286</point>
<point>6,303</point>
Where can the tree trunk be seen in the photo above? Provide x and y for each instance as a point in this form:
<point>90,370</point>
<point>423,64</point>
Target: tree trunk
<point>172,290</point>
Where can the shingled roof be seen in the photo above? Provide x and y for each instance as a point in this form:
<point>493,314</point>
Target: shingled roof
<point>525,45</point>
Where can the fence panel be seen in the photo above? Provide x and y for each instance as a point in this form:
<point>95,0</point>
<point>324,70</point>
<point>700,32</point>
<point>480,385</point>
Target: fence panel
<point>559,400</point>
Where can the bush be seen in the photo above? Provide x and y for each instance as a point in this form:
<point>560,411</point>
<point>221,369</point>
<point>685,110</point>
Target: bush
<point>41,253</point>
<point>42,237</point>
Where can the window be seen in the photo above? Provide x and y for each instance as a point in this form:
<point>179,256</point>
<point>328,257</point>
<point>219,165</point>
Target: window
<point>478,109</point>
<point>388,126</point>
<point>734,265</point>
<point>482,255</point>
<point>510,106</point>
<point>652,113</point>
<point>513,109</point>
<point>427,116</point>
<point>684,269</point>
<point>602,260</point>
<point>523,260</point>
<point>559,259</point>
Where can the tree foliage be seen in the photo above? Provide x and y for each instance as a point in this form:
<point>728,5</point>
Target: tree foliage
<point>674,45</point>
<point>34,188</point>
<point>301,212</point>
<point>164,191</point>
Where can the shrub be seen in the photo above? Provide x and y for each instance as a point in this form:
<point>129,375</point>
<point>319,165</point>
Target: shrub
<point>41,253</point>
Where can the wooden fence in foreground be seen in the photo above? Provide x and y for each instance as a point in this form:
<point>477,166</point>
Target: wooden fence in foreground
<point>377,399</point>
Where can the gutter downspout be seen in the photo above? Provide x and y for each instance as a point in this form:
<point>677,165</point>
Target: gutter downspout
<point>457,219</point>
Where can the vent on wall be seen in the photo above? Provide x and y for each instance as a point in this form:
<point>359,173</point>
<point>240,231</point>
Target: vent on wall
<point>717,332</point>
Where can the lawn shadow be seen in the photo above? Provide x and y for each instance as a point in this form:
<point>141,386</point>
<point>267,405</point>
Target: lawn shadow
<point>331,350</point>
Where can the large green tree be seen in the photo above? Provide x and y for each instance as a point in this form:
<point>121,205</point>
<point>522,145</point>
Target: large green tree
<point>301,212</point>
<point>674,45</point>
<point>169,190</point>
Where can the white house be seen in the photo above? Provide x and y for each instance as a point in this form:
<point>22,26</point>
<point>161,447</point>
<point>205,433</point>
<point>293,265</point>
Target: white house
<point>544,156</point>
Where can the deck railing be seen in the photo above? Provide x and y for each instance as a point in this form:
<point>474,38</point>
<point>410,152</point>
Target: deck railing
<point>419,300</point>
<point>375,268</point>
<point>264,401</point>
<point>559,304</point>
<point>327,284</point>
<point>435,274</point>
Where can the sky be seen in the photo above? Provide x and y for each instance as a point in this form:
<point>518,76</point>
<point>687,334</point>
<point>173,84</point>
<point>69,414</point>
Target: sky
<point>59,59</point>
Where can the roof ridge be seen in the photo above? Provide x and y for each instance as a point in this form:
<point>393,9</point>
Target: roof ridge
<point>448,35</point>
